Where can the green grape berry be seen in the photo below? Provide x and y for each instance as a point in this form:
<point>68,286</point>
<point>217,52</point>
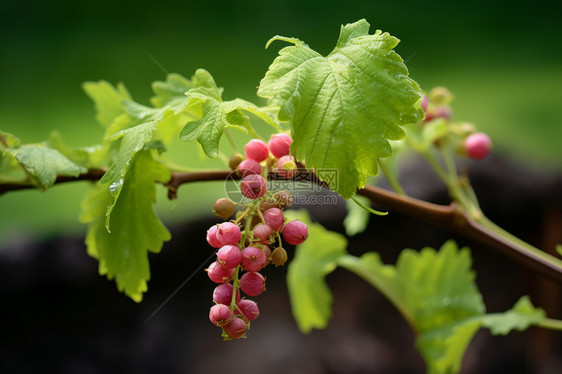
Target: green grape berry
<point>224,207</point>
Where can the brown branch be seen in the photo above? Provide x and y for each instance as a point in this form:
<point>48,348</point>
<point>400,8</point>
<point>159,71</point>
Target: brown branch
<point>201,176</point>
<point>453,218</point>
<point>450,217</point>
<point>91,175</point>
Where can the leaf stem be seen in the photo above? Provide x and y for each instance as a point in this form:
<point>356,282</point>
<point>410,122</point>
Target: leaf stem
<point>436,166</point>
<point>231,141</point>
<point>549,323</point>
<point>391,177</point>
<point>235,286</point>
<point>354,265</point>
<point>243,215</point>
<point>368,209</point>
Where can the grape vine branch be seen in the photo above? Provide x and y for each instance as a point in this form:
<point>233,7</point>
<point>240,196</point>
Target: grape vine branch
<point>450,217</point>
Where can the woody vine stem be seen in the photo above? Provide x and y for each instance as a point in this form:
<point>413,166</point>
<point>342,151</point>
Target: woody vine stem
<point>453,217</point>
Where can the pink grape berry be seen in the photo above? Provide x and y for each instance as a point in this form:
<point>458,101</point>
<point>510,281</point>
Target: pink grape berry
<point>286,166</point>
<point>443,112</point>
<point>229,256</point>
<point>212,237</point>
<point>424,103</point>
<point>267,252</point>
<point>236,328</point>
<point>249,309</point>
<point>248,167</point>
<point>252,283</point>
<point>295,232</point>
<point>257,150</point>
<point>223,294</point>
<point>263,233</point>
<point>274,218</point>
<point>279,145</point>
<point>253,186</point>
<point>220,314</point>
<point>218,273</point>
<point>228,233</point>
<point>477,145</point>
<point>253,259</point>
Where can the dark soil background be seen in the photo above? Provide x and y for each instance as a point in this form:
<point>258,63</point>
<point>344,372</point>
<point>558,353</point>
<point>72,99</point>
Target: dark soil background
<point>59,316</point>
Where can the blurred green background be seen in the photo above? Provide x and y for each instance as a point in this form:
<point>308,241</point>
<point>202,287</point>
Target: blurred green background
<point>502,60</point>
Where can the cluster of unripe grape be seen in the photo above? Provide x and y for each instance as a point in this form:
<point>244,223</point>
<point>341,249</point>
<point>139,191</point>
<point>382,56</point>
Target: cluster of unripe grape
<point>475,145</point>
<point>244,244</point>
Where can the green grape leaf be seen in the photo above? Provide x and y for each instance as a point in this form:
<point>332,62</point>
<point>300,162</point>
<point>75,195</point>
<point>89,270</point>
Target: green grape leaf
<point>430,288</point>
<point>357,218</point>
<point>123,253</point>
<point>209,128</point>
<point>43,164</point>
<point>443,348</point>
<point>438,287</point>
<point>204,84</point>
<point>169,119</point>
<point>117,111</point>
<point>520,317</point>
<point>436,293</point>
<point>344,107</point>
<point>310,297</point>
<point>8,140</point>
<point>89,157</point>
<point>10,169</point>
<point>107,99</point>
<point>241,108</point>
<point>133,141</point>
<point>174,88</point>
<point>218,115</point>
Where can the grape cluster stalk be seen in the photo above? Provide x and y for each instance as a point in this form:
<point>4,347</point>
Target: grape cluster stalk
<point>244,244</point>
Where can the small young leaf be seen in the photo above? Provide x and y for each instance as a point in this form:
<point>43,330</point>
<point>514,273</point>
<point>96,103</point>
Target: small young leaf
<point>344,107</point>
<point>175,87</point>
<point>133,141</point>
<point>89,157</point>
<point>208,129</point>
<point>240,107</point>
<point>107,99</point>
<point>123,253</point>
<point>43,164</point>
<point>522,315</point>
<point>8,140</point>
<point>311,298</point>
<point>217,115</point>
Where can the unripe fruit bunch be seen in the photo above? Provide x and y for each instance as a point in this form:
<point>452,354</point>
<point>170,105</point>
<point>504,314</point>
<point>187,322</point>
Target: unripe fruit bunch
<point>243,244</point>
